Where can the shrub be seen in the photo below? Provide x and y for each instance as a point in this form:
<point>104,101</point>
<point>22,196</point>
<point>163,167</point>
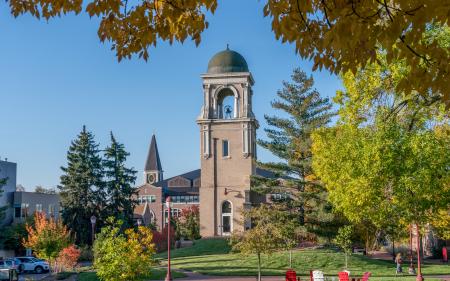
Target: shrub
<point>160,239</point>
<point>123,255</point>
<point>68,258</point>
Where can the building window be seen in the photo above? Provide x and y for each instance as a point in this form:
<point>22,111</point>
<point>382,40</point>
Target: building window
<point>38,208</point>
<point>24,209</point>
<point>227,218</point>
<point>185,199</point>
<point>174,213</point>
<point>225,148</point>
<point>147,198</point>
<point>17,212</point>
<point>51,210</point>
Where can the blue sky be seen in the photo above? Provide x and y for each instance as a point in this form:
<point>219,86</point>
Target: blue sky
<point>56,76</point>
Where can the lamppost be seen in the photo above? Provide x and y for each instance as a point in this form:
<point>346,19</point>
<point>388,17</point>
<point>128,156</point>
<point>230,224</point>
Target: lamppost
<point>93,221</point>
<point>168,205</point>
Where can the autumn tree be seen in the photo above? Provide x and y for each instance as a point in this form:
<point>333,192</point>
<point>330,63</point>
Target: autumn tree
<point>189,222</point>
<point>124,255</point>
<point>47,237</point>
<point>340,36</point>
<point>119,183</point>
<point>301,110</point>
<point>82,187</point>
<point>270,230</point>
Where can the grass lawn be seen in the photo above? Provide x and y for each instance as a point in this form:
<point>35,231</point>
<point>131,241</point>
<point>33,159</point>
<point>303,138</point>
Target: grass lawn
<point>156,274</point>
<point>213,257</point>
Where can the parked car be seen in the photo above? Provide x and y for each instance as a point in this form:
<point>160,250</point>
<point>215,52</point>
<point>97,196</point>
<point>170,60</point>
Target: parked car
<point>34,264</point>
<point>11,264</point>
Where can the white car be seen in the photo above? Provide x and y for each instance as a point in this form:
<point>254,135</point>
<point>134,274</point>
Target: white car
<point>34,264</point>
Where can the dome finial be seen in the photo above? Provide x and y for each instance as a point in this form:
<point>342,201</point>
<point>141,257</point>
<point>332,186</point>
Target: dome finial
<point>228,46</point>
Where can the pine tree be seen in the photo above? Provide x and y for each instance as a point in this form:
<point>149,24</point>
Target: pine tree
<point>2,208</point>
<point>289,139</point>
<point>82,186</point>
<point>119,183</point>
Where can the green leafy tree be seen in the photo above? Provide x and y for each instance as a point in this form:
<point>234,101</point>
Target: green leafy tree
<point>82,187</point>
<point>124,255</point>
<point>12,236</point>
<point>289,139</point>
<point>119,183</point>
<point>344,241</point>
<point>40,189</point>
<point>340,36</point>
<point>271,228</point>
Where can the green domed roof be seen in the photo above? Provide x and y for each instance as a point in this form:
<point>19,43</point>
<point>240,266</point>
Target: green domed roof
<point>227,61</point>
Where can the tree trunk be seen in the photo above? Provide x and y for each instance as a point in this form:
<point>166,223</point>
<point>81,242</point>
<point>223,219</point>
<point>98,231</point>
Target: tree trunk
<point>259,266</point>
<point>346,261</point>
<point>290,258</point>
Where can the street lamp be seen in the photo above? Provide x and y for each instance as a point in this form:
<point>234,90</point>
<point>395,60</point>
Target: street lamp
<point>93,221</point>
<point>168,205</point>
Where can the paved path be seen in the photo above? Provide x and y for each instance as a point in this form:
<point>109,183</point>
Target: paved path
<point>23,277</point>
<point>193,276</point>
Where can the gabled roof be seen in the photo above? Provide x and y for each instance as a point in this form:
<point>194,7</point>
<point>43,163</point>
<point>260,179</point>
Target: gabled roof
<point>153,162</point>
<point>192,175</point>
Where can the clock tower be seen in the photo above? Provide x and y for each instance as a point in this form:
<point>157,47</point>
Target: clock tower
<point>153,170</point>
<point>228,144</point>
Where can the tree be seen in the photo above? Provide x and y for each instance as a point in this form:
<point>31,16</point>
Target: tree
<point>289,139</point>
<point>12,236</point>
<point>340,36</point>
<point>385,174</point>
<point>269,231</point>
<point>40,189</point>
<point>124,256</point>
<point>119,183</point>
<point>68,257</point>
<point>82,186</point>
<point>2,208</point>
<point>344,241</point>
<point>47,237</point>
<point>189,223</point>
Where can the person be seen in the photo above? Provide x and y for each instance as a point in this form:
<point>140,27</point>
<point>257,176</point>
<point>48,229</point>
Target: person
<point>398,261</point>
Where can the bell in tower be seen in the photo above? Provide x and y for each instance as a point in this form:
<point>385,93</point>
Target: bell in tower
<point>228,143</point>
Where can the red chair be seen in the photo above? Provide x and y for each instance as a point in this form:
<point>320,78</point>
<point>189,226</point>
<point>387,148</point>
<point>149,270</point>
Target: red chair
<point>343,276</point>
<point>366,276</point>
<point>291,275</point>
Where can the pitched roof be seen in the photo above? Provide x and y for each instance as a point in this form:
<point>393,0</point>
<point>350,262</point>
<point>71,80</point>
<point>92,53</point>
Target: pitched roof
<point>153,162</point>
<point>192,175</point>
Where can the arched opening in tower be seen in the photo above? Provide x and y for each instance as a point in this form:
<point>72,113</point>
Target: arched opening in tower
<point>226,104</point>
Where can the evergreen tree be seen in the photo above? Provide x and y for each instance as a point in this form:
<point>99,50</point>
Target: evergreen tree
<point>119,183</point>
<point>2,208</point>
<point>82,186</point>
<point>289,139</point>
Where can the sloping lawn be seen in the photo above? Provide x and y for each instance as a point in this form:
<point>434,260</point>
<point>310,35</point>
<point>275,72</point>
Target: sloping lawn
<point>213,257</point>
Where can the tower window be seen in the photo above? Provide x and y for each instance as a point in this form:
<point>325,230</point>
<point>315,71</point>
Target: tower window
<point>225,148</point>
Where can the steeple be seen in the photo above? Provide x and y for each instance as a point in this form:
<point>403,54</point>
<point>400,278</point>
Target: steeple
<point>153,169</point>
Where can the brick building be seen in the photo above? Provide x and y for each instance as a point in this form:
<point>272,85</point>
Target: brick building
<point>221,187</point>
